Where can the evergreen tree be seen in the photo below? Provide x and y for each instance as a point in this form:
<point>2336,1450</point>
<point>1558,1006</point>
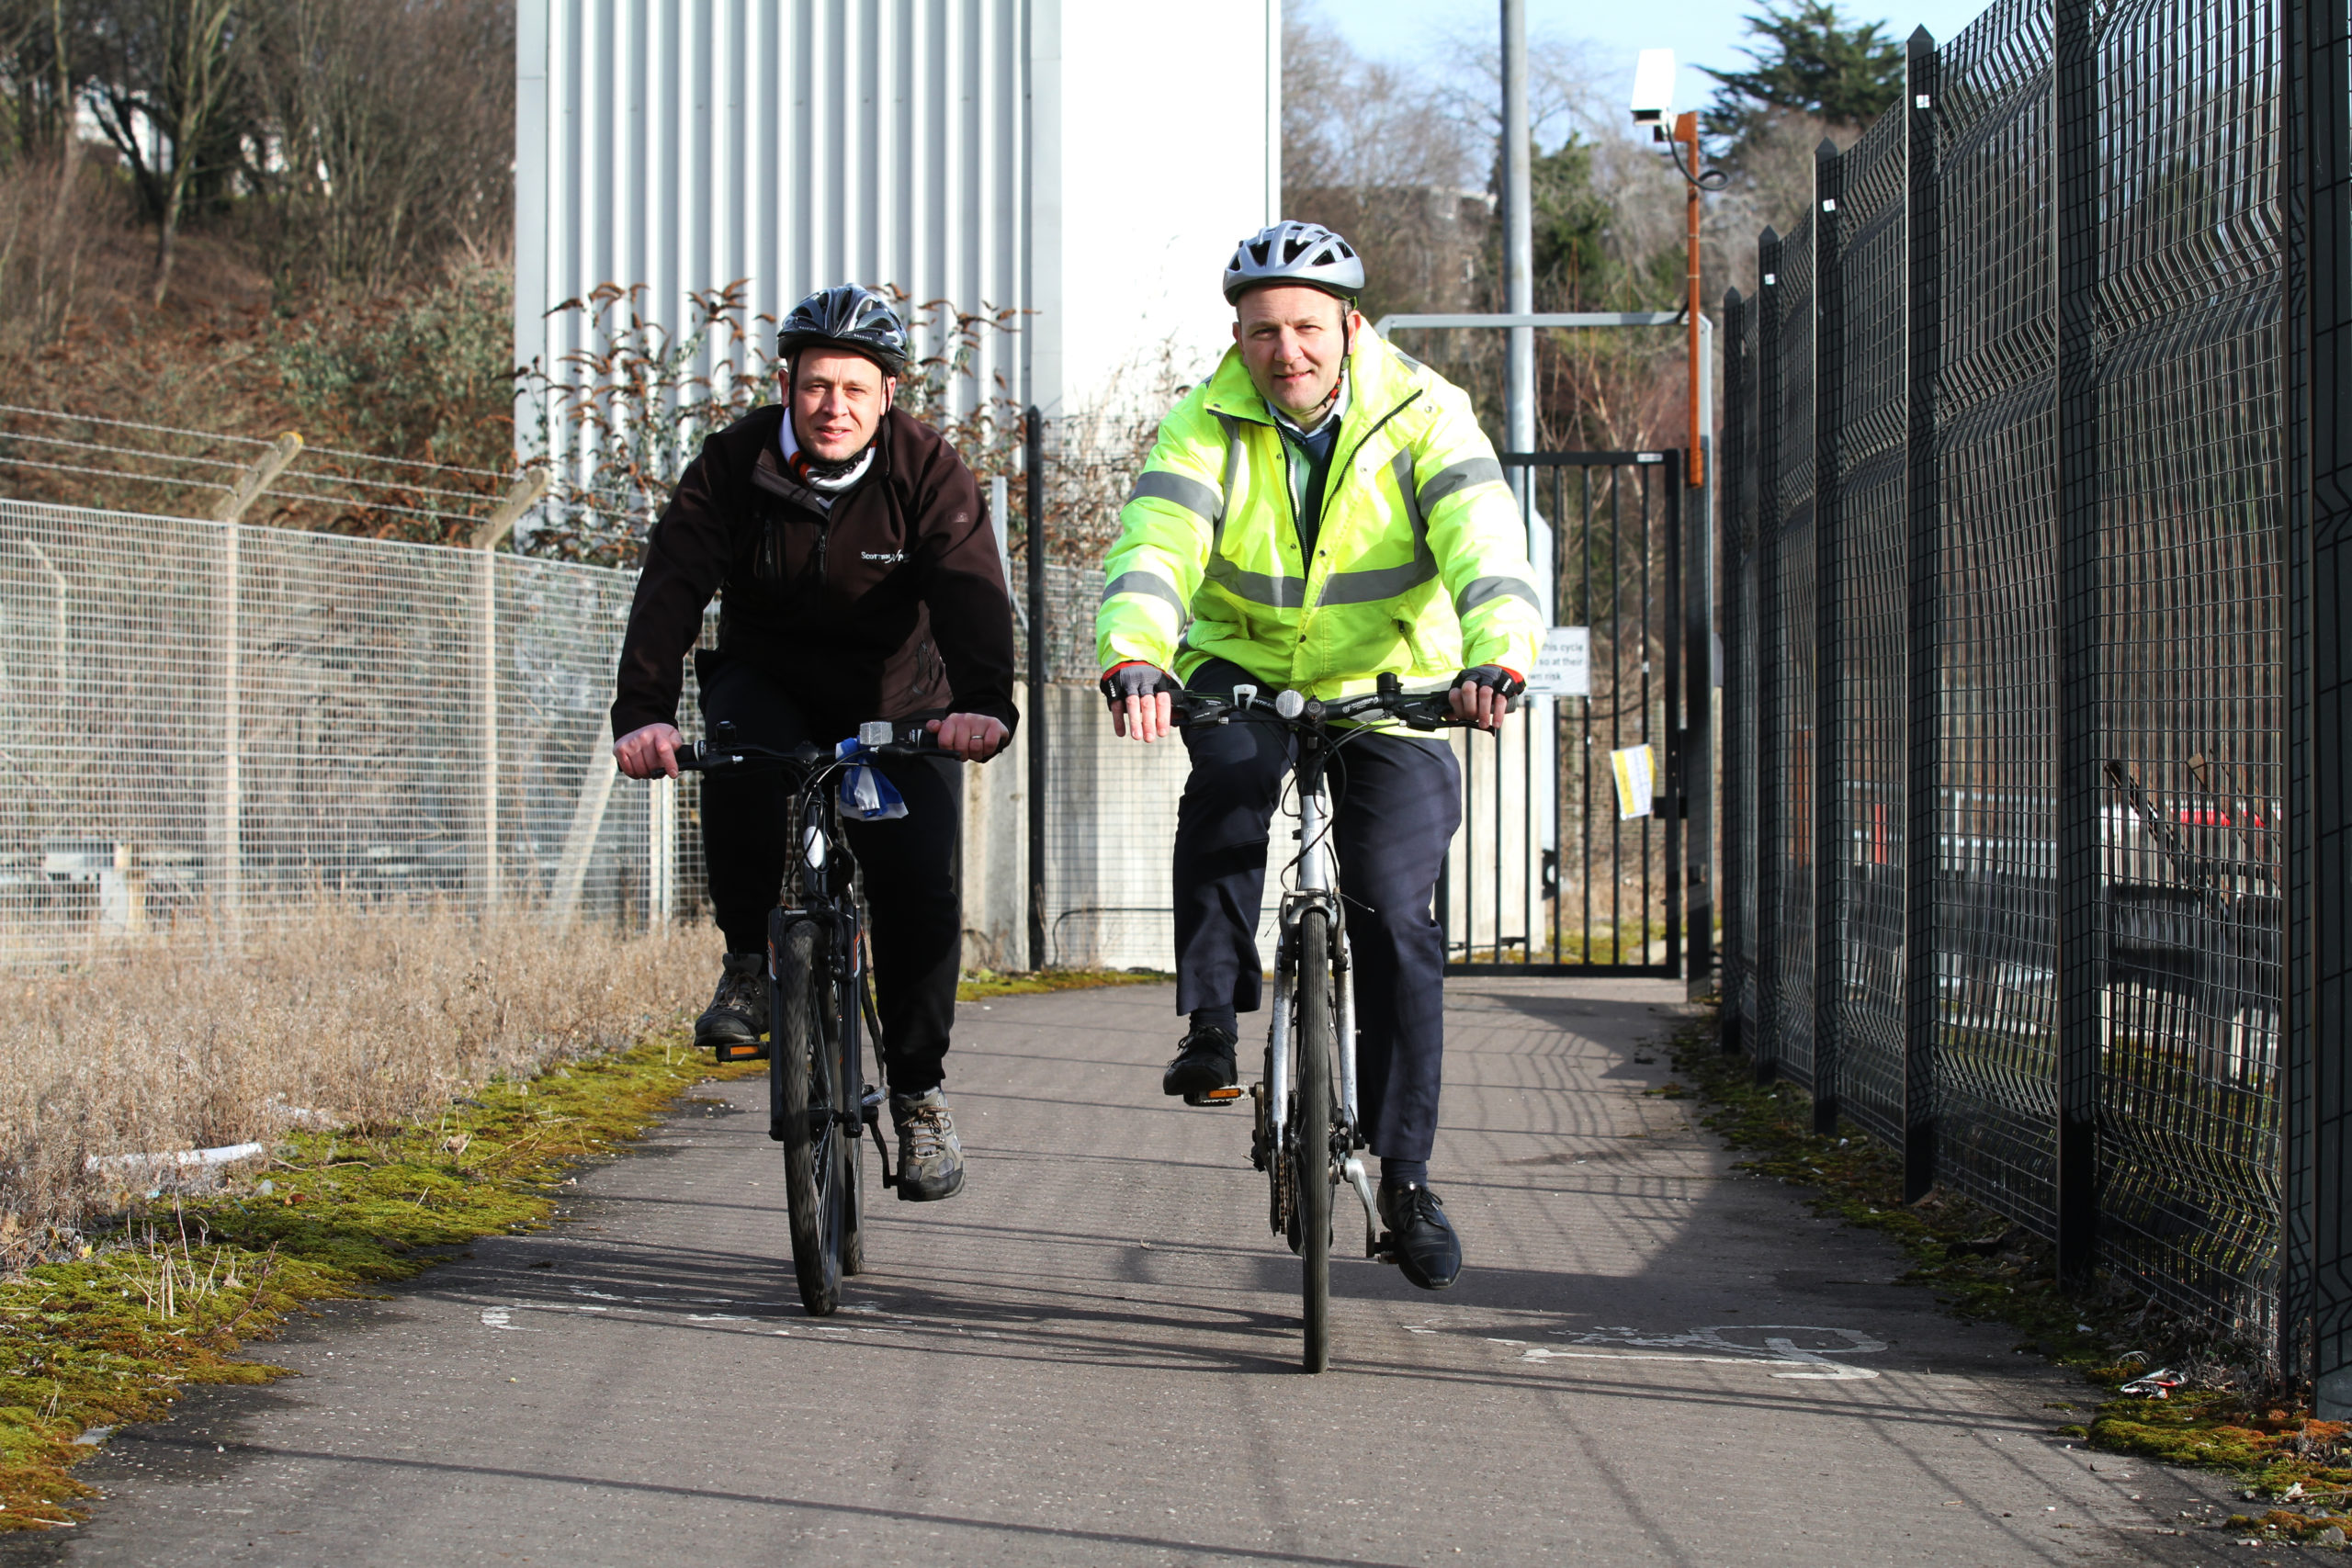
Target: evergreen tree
<point>1812,61</point>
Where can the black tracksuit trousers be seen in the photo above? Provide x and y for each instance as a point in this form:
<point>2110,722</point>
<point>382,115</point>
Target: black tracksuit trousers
<point>1396,804</point>
<point>909,862</point>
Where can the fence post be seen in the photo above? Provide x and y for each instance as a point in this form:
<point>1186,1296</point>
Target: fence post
<point>2315,1319</point>
<point>1730,476</point>
<point>520,498</point>
<point>1772,630</point>
<point>1923,567</point>
<point>228,833</point>
<point>1699,772</point>
<point>1034,460</point>
<point>231,508</point>
<point>1829,627</point>
<point>2076,689</point>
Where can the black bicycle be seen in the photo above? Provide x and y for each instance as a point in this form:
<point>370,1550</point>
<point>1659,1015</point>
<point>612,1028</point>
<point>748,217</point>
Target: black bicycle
<point>820,1006</point>
<point>1306,1136</point>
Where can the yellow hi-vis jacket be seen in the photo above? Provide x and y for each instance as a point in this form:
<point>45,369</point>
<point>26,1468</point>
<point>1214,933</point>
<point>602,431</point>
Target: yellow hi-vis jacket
<point>1421,564</point>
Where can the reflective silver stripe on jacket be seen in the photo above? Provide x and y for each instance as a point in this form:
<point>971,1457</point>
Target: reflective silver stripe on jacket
<point>1147,582</point>
<point>1485,590</point>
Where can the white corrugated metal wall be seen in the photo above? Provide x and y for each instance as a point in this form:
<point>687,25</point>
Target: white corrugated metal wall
<point>1080,161</point>
<point>683,144</point>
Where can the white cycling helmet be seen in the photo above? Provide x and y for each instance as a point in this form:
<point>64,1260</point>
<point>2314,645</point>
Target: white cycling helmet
<point>1291,252</point>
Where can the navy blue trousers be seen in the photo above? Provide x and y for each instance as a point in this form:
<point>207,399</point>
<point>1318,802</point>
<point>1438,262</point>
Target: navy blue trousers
<point>1396,801</point>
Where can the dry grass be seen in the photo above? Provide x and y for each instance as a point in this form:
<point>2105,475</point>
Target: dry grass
<point>352,1019</point>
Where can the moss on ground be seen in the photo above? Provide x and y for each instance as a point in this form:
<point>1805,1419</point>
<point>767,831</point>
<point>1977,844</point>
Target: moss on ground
<point>979,983</point>
<point>168,1293</point>
<point>1988,1270</point>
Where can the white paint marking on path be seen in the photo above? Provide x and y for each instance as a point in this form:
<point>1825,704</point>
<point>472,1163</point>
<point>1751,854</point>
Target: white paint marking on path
<point>504,1317</point>
<point>1780,1347</point>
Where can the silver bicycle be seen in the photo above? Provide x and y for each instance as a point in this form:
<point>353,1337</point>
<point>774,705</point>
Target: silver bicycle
<point>1307,1136</point>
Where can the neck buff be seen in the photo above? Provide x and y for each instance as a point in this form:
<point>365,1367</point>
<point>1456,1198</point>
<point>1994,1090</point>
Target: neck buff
<point>816,474</point>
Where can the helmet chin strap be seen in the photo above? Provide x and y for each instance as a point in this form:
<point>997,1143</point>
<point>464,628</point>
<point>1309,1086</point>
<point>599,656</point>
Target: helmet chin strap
<point>1347,346</point>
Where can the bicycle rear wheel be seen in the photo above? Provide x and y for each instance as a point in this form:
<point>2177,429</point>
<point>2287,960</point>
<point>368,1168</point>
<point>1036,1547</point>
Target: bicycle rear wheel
<point>803,1066</point>
<point>1311,1154</point>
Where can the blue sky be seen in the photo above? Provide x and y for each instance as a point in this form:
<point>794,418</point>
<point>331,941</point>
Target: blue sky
<point>1700,32</point>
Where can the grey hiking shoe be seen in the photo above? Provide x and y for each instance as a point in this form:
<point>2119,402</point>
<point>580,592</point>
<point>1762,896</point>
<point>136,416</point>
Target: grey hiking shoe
<point>930,1162</point>
<point>738,1014</point>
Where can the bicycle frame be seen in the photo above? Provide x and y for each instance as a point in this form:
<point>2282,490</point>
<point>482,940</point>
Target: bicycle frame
<point>1317,886</point>
<point>825,895</point>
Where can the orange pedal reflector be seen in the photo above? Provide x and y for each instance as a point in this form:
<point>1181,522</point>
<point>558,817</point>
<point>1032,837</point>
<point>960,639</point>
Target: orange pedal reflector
<point>1222,1094</point>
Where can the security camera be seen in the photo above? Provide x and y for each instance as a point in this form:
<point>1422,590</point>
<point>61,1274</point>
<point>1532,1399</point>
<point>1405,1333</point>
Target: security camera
<point>1653,86</point>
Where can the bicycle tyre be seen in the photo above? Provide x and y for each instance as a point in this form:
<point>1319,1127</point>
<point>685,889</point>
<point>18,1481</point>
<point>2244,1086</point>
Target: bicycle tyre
<point>802,1061</point>
<point>1311,1165</point>
<point>854,1202</point>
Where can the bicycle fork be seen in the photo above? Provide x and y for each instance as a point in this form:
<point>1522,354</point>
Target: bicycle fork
<point>1315,877</point>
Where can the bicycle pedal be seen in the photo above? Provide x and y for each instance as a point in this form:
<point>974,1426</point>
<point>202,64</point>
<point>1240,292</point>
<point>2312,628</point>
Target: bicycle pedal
<point>1384,1250</point>
<point>730,1052</point>
<point>1225,1096</point>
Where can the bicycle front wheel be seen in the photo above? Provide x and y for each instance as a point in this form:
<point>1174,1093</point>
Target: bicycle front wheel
<point>1311,1154</point>
<point>803,1066</point>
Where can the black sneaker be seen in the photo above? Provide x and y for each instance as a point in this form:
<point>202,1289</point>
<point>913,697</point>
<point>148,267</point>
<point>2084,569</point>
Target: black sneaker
<point>1419,1236</point>
<point>738,1014</point>
<point>1203,1062</point>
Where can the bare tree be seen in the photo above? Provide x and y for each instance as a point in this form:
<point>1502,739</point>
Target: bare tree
<point>1371,151</point>
<point>168,66</point>
<point>388,141</point>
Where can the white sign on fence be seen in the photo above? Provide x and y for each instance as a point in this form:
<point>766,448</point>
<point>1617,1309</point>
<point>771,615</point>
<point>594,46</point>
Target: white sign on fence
<point>1563,669</point>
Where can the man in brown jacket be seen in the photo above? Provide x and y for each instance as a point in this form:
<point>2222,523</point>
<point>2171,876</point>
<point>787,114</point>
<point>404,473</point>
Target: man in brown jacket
<point>859,580</point>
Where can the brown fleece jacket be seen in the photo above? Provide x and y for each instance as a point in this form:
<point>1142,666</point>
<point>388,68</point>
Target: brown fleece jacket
<point>890,605</point>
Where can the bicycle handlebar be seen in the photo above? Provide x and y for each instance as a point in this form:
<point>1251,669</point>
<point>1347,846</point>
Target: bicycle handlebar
<point>711,756</point>
<point>1419,710</point>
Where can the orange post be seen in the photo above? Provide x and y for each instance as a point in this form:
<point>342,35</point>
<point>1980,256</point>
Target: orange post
<point>1686,130</point>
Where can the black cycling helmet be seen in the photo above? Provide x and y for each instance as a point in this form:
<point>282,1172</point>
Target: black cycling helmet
<point>850,317</point>
<point>1291,252</point>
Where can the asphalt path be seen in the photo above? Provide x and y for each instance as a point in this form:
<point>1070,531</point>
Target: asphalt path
<point>1090,1357</point>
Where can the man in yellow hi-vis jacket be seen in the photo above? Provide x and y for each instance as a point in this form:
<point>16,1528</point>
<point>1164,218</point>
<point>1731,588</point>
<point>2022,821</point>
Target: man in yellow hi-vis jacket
<point>1319,513</point>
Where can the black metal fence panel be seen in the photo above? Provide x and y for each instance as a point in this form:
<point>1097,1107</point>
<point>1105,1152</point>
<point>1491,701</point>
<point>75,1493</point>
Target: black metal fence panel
<point>1788,728</point>
<point>2191,442</point>
<point>1892,921</point>
<point>1739,773</point>
<point>1867,606</point>
<point>1995,886</point>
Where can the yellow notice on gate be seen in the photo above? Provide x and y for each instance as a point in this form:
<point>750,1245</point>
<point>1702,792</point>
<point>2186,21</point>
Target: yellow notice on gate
<point>1637,770</point>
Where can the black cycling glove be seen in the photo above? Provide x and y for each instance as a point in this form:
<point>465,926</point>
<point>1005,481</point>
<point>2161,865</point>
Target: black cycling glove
<point>1135,679</point>
<point>1494,678</point>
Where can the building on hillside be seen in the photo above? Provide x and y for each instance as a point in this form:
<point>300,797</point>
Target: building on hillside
<point>1084,164</point>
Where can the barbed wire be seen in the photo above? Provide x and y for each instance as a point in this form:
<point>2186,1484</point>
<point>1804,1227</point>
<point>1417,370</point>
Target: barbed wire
<point>302,481</point>
<point>118,474</point>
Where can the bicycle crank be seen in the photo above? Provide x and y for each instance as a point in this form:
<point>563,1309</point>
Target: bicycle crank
<point>870,1112</point>
<point>1372,1234</point>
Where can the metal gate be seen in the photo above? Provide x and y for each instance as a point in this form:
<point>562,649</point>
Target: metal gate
<point>1570,858</point>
